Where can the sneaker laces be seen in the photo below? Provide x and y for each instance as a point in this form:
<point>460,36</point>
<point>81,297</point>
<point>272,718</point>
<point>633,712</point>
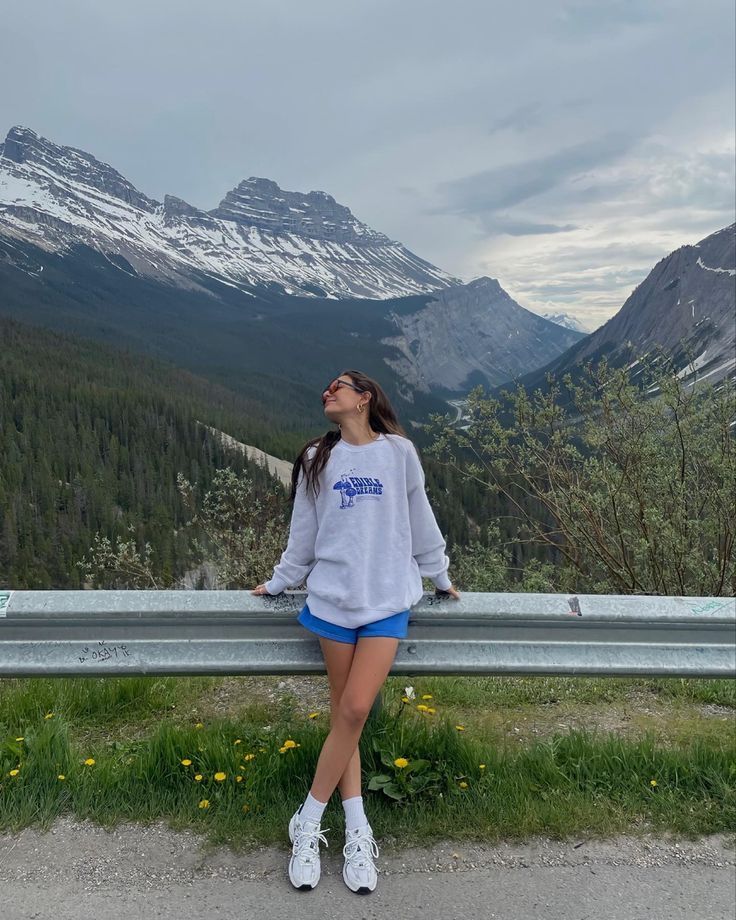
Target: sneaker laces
<point>364,844</point>
<point>306,842</point>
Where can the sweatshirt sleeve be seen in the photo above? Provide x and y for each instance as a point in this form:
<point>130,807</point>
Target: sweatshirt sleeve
<point>428,544</point>
<point>297,560</point>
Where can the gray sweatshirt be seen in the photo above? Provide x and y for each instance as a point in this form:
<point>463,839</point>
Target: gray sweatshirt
<point>364,544</point>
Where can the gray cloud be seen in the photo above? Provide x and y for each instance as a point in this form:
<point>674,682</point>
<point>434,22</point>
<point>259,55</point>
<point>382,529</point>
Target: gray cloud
<point>520,119</point>
<point>504,223</point>
<point>592,16</point>
<point>690,180</point>
<point>484,193</point>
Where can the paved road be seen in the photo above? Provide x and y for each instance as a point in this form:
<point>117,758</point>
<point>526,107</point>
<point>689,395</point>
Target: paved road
<point>78,871</point>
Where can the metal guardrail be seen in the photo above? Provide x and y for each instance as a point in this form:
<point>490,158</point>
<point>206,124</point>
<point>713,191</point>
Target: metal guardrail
<point>54,633</point>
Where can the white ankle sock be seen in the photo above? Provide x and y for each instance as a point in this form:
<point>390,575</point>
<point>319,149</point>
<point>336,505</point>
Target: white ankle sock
<point>355,817</point>
<point>312,809</point>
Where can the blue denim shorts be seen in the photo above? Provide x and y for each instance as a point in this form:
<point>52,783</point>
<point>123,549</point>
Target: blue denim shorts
<point>395,626</point>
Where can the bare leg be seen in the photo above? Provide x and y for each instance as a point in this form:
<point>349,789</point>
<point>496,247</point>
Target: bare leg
<point>338,659</point>
<point>371,663</point>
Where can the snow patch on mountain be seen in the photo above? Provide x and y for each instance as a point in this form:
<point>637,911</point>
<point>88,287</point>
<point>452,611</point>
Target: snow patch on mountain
<point>566,321</point>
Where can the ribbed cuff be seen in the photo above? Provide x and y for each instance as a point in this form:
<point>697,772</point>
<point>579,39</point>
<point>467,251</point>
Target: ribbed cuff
<point>442,582</point>
<point>274,586</point>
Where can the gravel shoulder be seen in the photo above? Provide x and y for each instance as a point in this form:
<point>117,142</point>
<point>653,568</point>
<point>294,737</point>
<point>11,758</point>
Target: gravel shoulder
<point>78,870</point>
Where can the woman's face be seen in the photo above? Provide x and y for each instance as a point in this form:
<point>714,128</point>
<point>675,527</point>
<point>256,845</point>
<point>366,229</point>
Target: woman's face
<point>341,397</point>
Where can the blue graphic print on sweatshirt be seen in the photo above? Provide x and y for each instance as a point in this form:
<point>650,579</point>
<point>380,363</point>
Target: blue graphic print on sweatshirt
<point>360,486</point>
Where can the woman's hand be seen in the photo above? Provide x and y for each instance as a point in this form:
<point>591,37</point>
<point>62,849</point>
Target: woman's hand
<point>260,589</point>
<point>451,591</point>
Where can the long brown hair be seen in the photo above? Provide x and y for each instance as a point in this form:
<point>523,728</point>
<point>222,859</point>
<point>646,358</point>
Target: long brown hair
<point>381,417</point>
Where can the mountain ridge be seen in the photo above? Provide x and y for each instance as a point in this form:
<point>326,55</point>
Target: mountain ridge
<point>258,236</point>
<point>469,332</point>
<point>70,224</point>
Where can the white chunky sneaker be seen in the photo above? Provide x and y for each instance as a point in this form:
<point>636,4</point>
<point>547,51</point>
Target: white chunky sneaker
<point>359,851</point>
<point>304,865</point>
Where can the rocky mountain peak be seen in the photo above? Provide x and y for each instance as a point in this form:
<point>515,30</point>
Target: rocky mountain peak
<point>176,207</point>
<point>263,204</point>
<point>485,285</point>
<point>471,329</point>
<point>566,320</point>
<point>32,152</point>
<point>19,143</point>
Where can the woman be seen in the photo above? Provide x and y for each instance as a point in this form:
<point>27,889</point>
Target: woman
<point>365,552</point>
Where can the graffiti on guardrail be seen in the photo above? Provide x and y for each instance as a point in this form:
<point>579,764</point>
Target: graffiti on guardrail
<point>282,601</point>
<point>574,610</point>
<point>5,597</point>
<point>712,606</point>
<point>104,652</point>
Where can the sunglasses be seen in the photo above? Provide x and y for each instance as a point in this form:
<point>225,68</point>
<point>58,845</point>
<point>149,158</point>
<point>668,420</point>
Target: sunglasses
<point>336,384</point>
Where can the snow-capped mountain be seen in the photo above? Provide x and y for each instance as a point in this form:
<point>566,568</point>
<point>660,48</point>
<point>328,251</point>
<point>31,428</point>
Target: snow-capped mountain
<point>566,321</point>
<point>57,197</point>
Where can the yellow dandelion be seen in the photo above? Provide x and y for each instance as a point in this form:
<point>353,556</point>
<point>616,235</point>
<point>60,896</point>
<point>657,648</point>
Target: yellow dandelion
<point>199,725</point>
<point>313,715</point>
<point>426,696</point>
<point>14,772</point>
<point>238,779</point>
<point>49,715</point>
<point>61,776</point>
<point>283,750</point>
<point>198,777</point>
<point>89,762</point>
<point>249,757</point>
<point>405,699</point>
<point>22,738</point>
<point>186,763</point>
<point>220,776</point>
<point>238,741</point>
<point>463,784</point>
<point>430,710</point>
<point>289,743</point>
<point>205,803</point>
<point>653,782</point>
<point>460,728</point>
<point>481,766</point>
<point>401,762</point>
<point>422,707</point>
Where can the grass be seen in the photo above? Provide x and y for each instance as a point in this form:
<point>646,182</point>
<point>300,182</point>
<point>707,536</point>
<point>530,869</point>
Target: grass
<point>481,692</point>
<point>672,768</point>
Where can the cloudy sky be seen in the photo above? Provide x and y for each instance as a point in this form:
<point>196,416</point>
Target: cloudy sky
<point>563,148</point>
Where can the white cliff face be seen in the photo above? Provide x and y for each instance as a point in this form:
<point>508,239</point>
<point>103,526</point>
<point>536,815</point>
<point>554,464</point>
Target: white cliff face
<point>470,329</point>
<point>56,197</point>
<point>278,468</point>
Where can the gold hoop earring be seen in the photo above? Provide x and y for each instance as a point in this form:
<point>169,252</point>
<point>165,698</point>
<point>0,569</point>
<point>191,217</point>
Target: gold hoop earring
<point>360,407</point>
